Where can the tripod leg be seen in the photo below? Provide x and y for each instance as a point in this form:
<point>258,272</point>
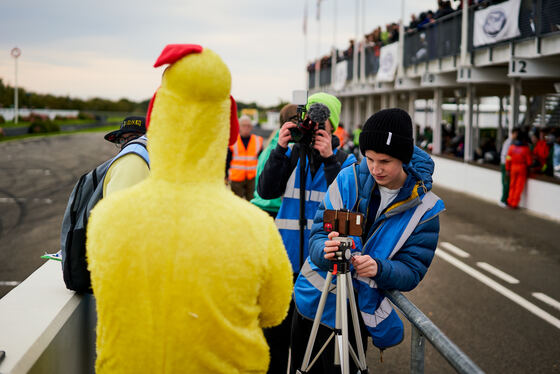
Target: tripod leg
<point>316,321</point>
<point>341,285</point>
<point>355,321</point>
<point>337,327</point>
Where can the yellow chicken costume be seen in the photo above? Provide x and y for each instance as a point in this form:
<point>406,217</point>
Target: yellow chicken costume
<point>184,272</point>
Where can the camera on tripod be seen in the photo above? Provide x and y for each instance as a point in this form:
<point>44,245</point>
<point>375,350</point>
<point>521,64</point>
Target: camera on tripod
<point>346,223</point>
<point>317,114</point>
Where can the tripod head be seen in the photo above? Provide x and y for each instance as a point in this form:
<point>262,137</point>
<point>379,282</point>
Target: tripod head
<point>343,255</point>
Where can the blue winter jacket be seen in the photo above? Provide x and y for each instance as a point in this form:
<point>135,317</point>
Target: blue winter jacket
<point>402,240</point>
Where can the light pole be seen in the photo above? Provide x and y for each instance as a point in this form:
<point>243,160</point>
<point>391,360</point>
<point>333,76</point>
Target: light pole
<point>16,52</point>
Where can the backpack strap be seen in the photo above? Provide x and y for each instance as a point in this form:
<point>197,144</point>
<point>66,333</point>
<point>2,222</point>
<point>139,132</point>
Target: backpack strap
<point>137,146</point>
<point>341,156</point>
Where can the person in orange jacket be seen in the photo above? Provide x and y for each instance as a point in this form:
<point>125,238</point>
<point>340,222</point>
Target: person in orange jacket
<point>341,134</point>
<point>518,161</point>
<point>244,159</point>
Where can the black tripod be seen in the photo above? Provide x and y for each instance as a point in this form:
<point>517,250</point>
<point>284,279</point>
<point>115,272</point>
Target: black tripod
<point>303,152</point>
<point>344,291</point>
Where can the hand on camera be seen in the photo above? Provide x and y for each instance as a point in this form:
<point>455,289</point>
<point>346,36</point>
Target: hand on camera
<point>365,266</point>
<point>331,246</point>
<point>284,136</point>
<point>323,143</point>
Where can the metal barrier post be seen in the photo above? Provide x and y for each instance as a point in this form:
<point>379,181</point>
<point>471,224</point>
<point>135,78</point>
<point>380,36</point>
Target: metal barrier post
<point>417,345</point>
<point>458,360</point>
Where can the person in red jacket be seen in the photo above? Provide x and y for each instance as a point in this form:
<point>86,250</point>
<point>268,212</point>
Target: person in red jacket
<point>540,153</point>
<point>518,161</point>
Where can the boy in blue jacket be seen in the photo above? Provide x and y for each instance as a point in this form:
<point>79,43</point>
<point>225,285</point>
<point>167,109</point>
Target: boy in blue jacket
<point>391,187</point>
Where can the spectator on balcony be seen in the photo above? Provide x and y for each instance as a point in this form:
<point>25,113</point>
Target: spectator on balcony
<point>385,35</point>
<point>470,2</point>
<point>394,33</point>
<point>426,18</point>
<point>349,52</point>
<point>326,61</point>
<point>444,8</point>
<point>377,35</point>
<point>413,23</point>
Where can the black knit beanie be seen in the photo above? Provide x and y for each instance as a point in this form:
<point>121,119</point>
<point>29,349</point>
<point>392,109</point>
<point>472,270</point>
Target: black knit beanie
<point>388,131</point>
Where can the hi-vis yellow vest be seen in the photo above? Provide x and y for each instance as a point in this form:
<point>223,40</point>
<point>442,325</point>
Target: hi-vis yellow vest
<point>244,160</point>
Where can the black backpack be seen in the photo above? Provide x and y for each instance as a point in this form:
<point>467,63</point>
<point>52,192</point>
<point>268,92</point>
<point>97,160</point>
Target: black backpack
<point>85,195</point>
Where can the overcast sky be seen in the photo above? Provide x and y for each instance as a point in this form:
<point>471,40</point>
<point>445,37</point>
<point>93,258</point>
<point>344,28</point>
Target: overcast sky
<point>107,48</point>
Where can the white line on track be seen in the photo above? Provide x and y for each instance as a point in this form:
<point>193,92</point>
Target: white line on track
<point>497,272</point>
<point>455,250</point>
<point>500,289</point>
<point>547,299</point>
<point>9,283</point>
<point>11,200</point>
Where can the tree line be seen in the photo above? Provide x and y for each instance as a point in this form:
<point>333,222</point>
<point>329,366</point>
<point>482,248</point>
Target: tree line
<point>29,99</point>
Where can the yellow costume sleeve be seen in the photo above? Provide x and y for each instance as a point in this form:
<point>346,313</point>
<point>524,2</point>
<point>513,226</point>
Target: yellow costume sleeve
<point>125,172</point>
<point>277,288</point>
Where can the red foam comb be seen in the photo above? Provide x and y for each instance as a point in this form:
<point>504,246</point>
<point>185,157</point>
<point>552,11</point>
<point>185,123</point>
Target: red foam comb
<point>174,52</point>
<point>233,122</point>
<point>150,107</point>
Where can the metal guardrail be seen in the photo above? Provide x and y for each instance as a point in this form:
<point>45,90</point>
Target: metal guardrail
<point>423,327</point>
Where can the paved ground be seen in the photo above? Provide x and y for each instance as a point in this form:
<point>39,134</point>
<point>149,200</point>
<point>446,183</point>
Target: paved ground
<point>501,334</point>
<point>36,178</point>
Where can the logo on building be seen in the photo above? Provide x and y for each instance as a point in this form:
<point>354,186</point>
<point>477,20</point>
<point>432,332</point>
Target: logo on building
<point>494,23</point>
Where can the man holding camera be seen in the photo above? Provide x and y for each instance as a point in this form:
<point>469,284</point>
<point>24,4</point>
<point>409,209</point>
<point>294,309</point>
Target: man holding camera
<point>391,188</point>
<point>280,178</point>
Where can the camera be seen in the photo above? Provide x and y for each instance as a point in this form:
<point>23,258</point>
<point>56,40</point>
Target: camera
<point>317,114</point>
<point>344,222</point>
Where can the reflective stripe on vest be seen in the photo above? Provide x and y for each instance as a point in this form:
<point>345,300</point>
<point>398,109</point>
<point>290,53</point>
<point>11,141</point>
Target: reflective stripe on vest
<point>381,313</point>
<point>291,224</point>
<point>287,219</point>
<point>384,310</point>
<point>316,279</point>
<point>244,160</point>
<point>293,192</point>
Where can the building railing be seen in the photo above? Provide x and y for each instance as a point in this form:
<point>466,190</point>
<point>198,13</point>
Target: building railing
<point>423,328</point>
<point>434,40</point>
<point>372,60</point>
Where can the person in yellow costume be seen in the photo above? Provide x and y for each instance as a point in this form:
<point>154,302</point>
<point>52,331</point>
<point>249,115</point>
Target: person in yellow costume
<point>185,273</point>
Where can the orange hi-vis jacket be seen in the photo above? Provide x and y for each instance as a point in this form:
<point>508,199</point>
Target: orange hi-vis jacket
<point>244,160</point>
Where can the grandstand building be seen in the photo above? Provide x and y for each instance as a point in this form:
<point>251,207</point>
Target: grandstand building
<point>491,65</point>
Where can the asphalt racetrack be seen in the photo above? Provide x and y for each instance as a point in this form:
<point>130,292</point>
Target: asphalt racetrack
<point>493,287</point>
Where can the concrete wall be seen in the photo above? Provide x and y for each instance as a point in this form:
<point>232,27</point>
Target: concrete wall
<point>539,197</point>
<point>44,328</point>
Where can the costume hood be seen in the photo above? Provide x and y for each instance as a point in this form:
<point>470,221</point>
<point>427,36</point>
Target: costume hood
<point>190,119</point>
